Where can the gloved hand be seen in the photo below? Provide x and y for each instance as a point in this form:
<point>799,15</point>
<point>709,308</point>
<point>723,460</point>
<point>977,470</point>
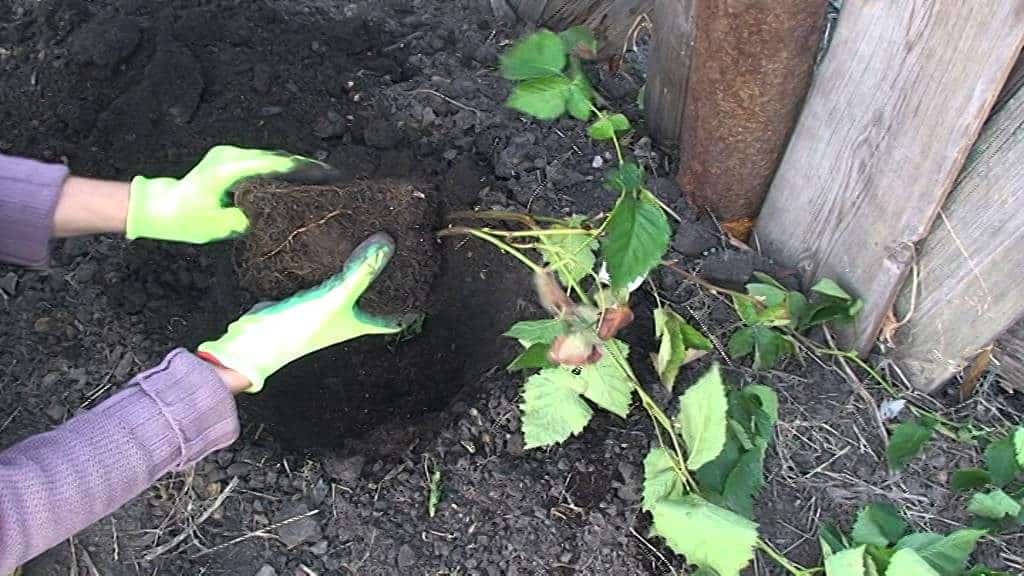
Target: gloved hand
<point>198,208</point>
<point>261,342</point>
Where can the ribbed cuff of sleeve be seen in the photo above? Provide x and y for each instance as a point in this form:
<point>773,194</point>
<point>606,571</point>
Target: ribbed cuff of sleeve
<point>29,191</point>
<point>197,410</point>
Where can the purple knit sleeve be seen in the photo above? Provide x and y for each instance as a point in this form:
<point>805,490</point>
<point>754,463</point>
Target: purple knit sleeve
<point>54,484</point>
<point>28,198</point>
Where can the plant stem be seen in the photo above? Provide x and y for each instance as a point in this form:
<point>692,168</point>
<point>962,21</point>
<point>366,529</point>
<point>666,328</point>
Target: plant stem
<point>539,233</point>
<point>495,241</point>
<point>782,560</point>
<point>526,219</point>
<point>660,418</point>
<point>671,264</point>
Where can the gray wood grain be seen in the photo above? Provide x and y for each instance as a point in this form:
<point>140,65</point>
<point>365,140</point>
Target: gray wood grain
<point>1010,355</point>
<point>894,108</point>
<point>668,68</point>
<point>971,266</point>
<point>1014,83</point>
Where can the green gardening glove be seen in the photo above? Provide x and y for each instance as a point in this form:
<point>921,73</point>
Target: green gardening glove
<point>198,208</point>
<point>261,342</point>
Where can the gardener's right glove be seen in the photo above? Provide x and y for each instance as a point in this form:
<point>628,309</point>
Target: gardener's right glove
<point>260,343</point>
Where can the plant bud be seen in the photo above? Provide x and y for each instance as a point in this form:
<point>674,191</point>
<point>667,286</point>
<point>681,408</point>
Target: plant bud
<point>576,349</point>
<point>615,318</point>
<point>551,294</point>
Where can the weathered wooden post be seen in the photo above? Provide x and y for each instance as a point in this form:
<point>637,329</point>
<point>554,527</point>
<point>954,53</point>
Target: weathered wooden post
<point>668,69</point>
<point>894,109</point>
<point>970,268</point>
<point>752,64</point>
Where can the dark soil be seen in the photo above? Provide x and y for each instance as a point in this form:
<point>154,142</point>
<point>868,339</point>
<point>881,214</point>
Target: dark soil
<point>301,235</point>
<point>403,89</point>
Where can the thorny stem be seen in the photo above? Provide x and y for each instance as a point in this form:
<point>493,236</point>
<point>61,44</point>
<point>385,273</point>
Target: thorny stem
<point>495,241</point>
<point>660,418</point>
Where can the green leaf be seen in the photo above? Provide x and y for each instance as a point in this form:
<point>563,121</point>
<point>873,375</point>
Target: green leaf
<point>702,418</point>
<point>832,540</point>
<point>879,524</point>
<point>628,177</point>
<point>536,356</point>
<point>906,442</point>
<point>542,98</point>
<point>619,122</point>
<point>1001,461</point>
<point>798,309</point>
<point>746,310</point>
<point>767,294</point>
<point>579,40</point>
<point>707,535</point>
<point>601,129</point>
<point>767,344</point>
<point>907,562</point>
<point>552,408</point>
<point>572,256</point>
<point>846,563</point>
<point>536,56</point>
<point>713,475</point>
<point>604,383</point>
<point>769,400</point>
<point>995,505</point>
<point>580,96</point>
<point>530,332</point>
<point>636,238</point>
<point>969,479</point>
<point>742,342</point>
<point>744,483</point>
<point>660,478</point>
<point>1018,443</point>
<point>947,555</point>
<point>577,101</point>
<point>829,287</point>
<point>677,342</point>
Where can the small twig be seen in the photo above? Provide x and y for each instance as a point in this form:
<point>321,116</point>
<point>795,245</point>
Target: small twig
<point>159,550</point>
<point>449,100</point>
<point>305,228</point>
<point>113,528</point>
<point>88,563</point>
<point>265,532</point>
<point>10,418</point>
<point>655,551</point>
<point>861,391</point>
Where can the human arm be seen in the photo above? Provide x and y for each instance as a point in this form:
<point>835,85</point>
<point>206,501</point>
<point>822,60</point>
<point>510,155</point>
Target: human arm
<point>39,201</point>
<point>54,484</point>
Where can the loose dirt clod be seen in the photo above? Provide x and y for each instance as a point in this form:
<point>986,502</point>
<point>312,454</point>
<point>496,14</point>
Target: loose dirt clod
<point>301,235</point>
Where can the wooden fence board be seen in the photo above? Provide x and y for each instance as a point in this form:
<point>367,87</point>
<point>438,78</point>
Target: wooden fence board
<point>1010,355</point>
<point>897,103</point>
<point>668,68</point>
<point>752,65</point>
<point>971,266</point>
<point>1014,83</point>
<point>611,20</point>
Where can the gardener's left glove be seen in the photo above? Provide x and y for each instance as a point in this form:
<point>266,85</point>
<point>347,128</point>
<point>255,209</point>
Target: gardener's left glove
<point>261,342</point>
<point>198,208</point>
